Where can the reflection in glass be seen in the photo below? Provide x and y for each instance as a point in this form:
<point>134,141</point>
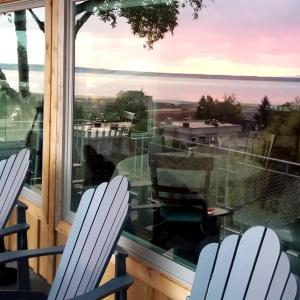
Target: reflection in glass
<point>22,87</point>
<point>197,106</point>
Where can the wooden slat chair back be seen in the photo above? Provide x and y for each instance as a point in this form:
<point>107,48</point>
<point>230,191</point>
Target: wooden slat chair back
<point>172,195</point>
<point>95,232</point>
<point>247,267</point>
<point>13,173</point>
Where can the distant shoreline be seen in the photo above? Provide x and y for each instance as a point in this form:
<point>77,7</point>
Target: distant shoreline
<point>40,68</point>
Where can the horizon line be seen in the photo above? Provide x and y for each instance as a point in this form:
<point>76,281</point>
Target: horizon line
<point>39,67</point>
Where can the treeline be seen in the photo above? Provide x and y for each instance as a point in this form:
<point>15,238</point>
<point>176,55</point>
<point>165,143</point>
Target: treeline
<point>229,110</point>
<point>135,102</point>
<point>283,122</point>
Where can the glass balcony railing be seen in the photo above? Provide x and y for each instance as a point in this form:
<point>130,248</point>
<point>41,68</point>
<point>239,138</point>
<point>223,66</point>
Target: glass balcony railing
<point>241,188</point>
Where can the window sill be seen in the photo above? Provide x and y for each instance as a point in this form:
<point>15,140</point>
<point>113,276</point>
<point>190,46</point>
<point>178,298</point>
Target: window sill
<point>149,266</point>
<point>34,208</point>
<point>32,196</point>
<point>179,273</point>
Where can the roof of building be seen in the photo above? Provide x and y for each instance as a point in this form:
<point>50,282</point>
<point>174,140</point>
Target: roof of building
<point>202,124</point>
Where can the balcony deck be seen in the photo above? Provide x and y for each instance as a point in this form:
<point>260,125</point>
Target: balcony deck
<point>38,283</point>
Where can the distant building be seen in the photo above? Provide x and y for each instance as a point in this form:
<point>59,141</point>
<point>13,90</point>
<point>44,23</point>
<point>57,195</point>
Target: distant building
<point>248,112</point>
<point>200,131</point>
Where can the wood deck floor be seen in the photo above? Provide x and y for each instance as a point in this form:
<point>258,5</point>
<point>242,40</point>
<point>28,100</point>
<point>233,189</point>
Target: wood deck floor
<point>37,282</point>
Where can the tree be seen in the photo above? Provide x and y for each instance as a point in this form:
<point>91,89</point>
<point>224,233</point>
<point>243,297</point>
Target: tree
<point>293,129</point>
<point>79,112</point>
<point>285,124</point>
<point>8,96</point>
<point>206,108</point>
<point>264,112</point>
<point>130,101</point>
<point>228,110</point>
<point>23,68</point>
<point>297,103</point>
<point>19,20</point>
<point>150,20</point>
<point>3,105</point>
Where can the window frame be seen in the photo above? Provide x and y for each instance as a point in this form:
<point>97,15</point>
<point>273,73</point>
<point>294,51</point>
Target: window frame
<point>27,193</point>
<point>68,115</point>
<point>22,4</point>
<point>160,263</point>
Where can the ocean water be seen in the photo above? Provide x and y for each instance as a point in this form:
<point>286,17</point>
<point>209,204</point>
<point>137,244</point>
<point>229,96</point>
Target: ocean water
<point>188,89</point>
<point>169,88</point>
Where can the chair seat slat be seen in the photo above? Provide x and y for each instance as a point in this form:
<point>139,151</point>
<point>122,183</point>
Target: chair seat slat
<point>280,278</point>
<point>259,270</point>
<point>5,173</point>
<point>77,224</point>
<point>12,179</point>
<point>97,234</point>
<point>265,266</point>
<point>79,242</point>
<point>243,264</point>
<point>203,272</point>
<point>97,225</point>
<point>12,188</point>
<point>222,268</point>
<point>109,247</point>
<point>2,166</point>
<point>290,290</point>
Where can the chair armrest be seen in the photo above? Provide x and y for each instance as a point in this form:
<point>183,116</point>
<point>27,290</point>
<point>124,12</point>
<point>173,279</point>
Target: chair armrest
<point>133,195</point>
<point>120,261</point>
<point>119,250</point>
<point>112,286</point>
<point>145,206</point>
<point>21,212</point>
<point>21,205</point>
<point>293,252</point>
<point>13,229</point>
<point>21,254</point>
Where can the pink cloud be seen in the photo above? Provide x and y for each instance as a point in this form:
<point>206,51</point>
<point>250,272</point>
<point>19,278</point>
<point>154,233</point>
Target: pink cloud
<point>257,32</point>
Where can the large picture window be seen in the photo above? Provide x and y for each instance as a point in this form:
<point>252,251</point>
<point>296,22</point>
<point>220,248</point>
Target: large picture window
<point>22,87</point>
<point>198,103</point>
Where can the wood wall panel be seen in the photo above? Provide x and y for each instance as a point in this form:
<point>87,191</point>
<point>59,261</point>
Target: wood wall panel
<point>60,240</point>
<point>10,241</point>
<point>157,280</point>
<point>43,261</point>
<point>138,288</point>
<point>33,238</point>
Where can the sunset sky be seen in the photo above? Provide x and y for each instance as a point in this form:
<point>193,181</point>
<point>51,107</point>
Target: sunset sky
<point>234,37</point>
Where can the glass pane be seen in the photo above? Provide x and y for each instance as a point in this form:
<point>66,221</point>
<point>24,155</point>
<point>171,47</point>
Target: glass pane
<point>199,106</point>
<point>22,87</point>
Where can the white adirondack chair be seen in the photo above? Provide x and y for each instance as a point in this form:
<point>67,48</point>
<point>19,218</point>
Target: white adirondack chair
<point>96,229</point>
<point>250,267</point>
<point>13,173</point>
